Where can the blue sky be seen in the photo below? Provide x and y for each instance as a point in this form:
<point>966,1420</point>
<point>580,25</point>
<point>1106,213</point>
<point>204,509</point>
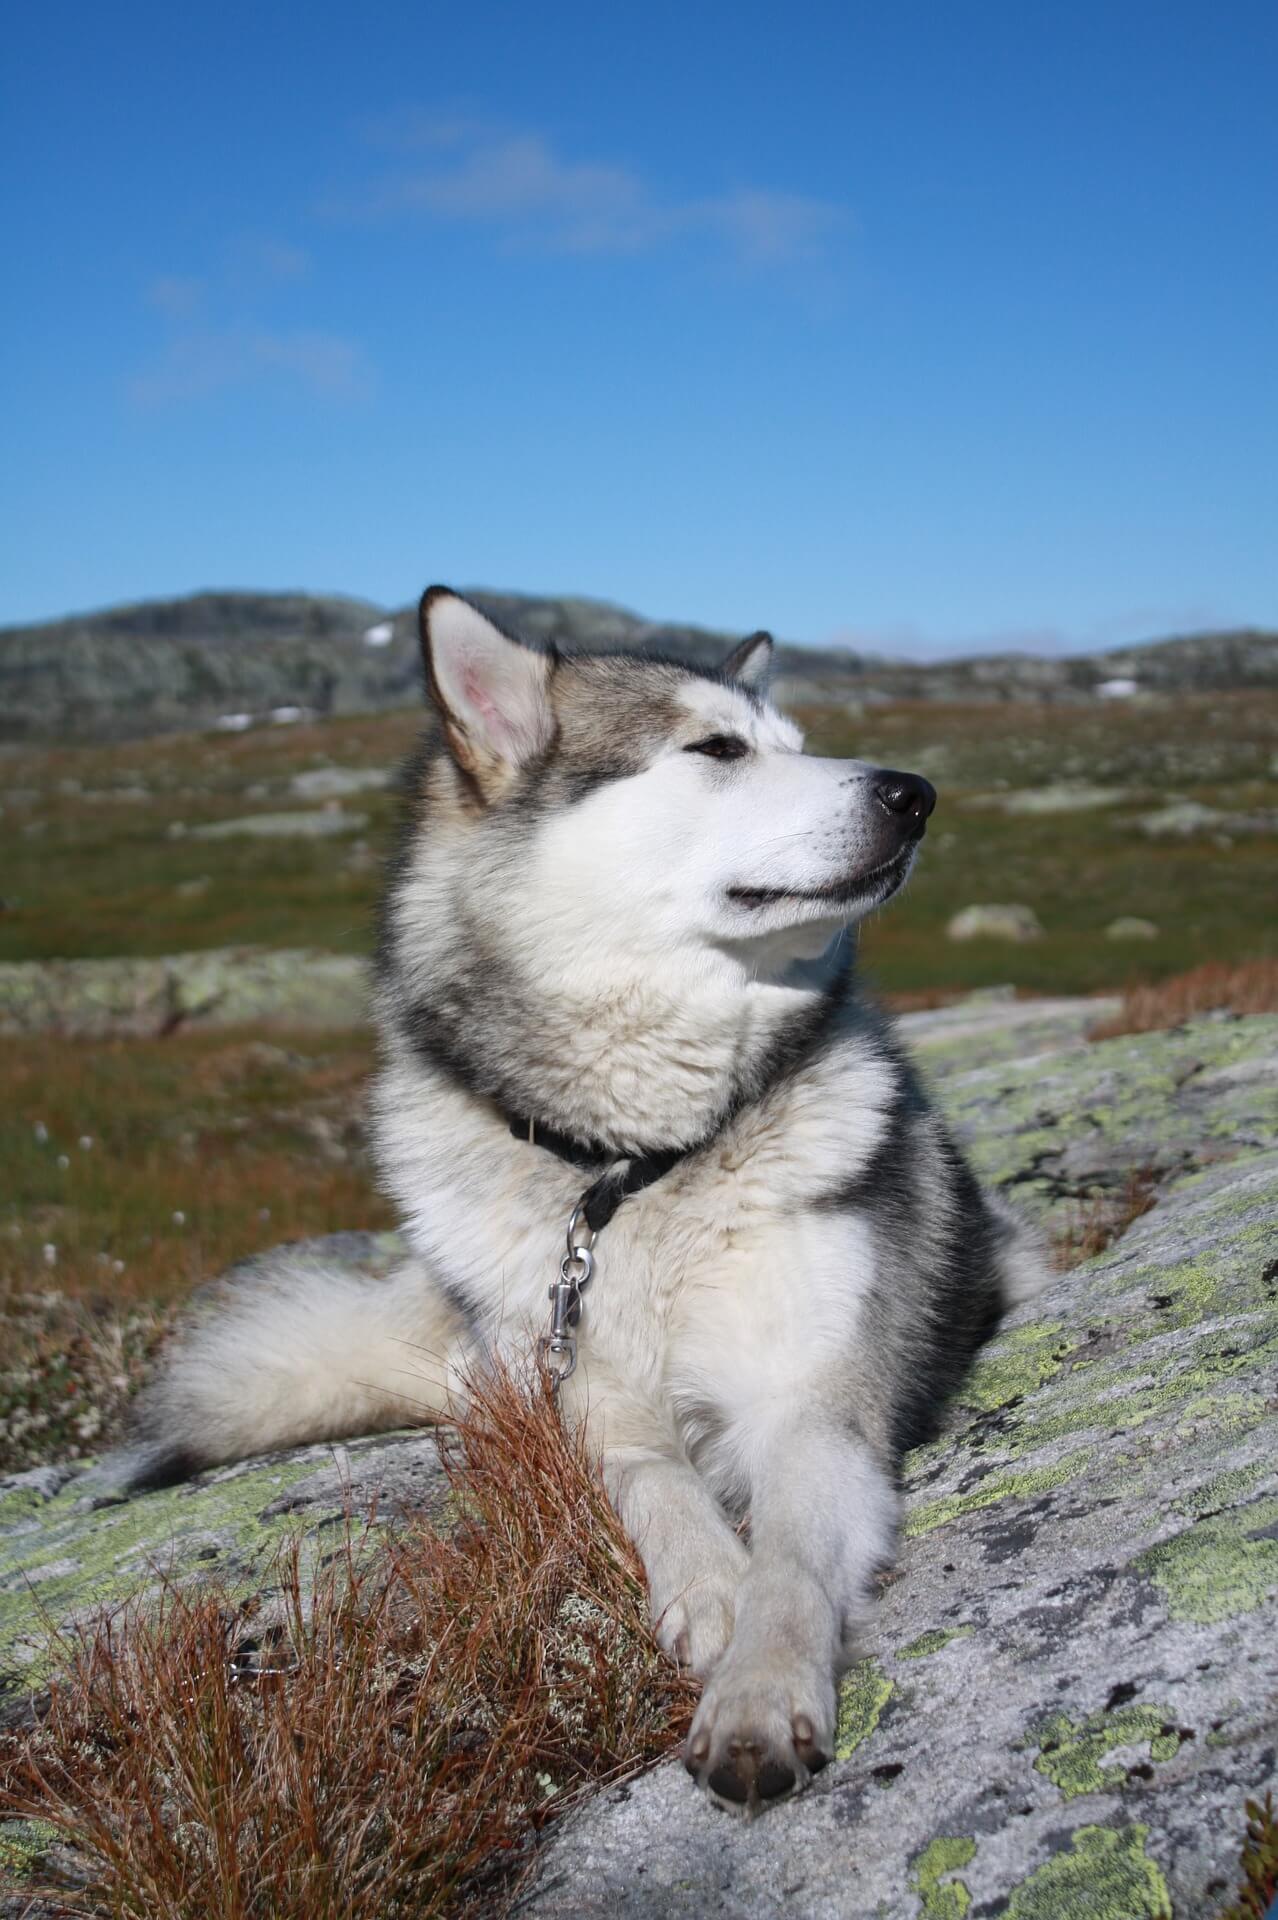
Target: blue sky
<point>925,326</point>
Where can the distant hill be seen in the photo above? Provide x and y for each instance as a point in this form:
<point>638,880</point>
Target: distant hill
<point>232,658</point>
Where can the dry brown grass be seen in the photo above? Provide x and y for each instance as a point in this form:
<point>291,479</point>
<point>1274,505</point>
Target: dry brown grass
<point>391,1747</point>
<point>1249,987</point>
<point>1101,1219</point>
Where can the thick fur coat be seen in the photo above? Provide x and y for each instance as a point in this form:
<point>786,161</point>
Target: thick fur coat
<point>618,926</point>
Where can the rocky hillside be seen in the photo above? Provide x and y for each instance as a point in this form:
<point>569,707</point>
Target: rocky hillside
<point>1070,1688</point>
<point>232,658</point>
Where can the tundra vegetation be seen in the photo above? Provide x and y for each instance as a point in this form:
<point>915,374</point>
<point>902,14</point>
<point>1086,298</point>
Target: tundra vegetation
<point>137,1166</point>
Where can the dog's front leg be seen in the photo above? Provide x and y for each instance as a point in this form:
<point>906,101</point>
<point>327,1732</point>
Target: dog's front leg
<point>693,1559</point>
<point>823,1519</point>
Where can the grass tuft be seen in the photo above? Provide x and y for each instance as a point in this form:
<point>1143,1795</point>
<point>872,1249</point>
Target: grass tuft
<point>1099,1221</point>
<point>389,1737</point>
<point>1258,1865</point>
<point>1250,987</point>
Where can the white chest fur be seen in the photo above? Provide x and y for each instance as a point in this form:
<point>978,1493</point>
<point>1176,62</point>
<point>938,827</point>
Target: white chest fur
<point>717,1290</point>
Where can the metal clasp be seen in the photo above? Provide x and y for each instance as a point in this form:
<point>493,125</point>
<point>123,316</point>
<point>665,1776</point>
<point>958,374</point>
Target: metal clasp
<point>559,1346</point>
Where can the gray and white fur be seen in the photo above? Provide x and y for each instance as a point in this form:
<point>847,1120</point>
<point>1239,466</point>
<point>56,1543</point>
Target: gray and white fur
<point>621,908</point>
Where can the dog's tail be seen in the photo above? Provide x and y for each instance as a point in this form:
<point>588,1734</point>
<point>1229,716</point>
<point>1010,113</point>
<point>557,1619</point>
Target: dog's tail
<point>291,1349</point>
<point>1024,1266</point>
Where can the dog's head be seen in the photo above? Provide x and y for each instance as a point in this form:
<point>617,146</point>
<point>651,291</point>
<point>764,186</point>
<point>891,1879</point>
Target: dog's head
<point>649,806</point>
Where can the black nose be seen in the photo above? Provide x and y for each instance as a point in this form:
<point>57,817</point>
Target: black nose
<point>908,795</point>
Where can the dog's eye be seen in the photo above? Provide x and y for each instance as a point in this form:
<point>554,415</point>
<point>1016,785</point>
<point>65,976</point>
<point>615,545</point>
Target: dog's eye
<point>720,746</point>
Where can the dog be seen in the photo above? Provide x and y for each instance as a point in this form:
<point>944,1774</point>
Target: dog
<point>636,1115</point>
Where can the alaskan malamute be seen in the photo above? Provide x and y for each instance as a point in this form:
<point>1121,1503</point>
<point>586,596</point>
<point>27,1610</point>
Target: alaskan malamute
<point>631,1107</point>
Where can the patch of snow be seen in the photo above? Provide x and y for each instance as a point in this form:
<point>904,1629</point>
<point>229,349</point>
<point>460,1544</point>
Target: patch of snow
<point>233,722</point>
<point>1117,689</point>
<point>381,635</point>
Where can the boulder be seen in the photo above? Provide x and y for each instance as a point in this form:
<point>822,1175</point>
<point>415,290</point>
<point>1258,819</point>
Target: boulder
<point>1067,796</point>
<point>1069,1688</point>
<point>224,987</point>
<point>336,783</point>
<point>1014,923</point>
<point>316,823</point>
<point>1181,818</point>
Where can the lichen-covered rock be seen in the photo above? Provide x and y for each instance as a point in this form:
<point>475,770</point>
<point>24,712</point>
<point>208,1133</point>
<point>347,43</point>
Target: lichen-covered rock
<point>68,1547</point>
<point>226,986</point>
<point>1070,1688</point>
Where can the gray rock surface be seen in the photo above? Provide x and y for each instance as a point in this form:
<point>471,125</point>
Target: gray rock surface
<point>996,922</point>
<point>311,823</point>
<point>225,986</point>
<point>1130,926</point>
<point>1070,1687</point>
<point>1067,796</point>
<point>1181,818</point>
<point>337,783</point>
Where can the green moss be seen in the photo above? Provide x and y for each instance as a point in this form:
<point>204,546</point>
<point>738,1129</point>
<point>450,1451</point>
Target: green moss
<point>1072,1752</point>
<point>1106,1875</point>
<point>1219,1568</point>
<point>931,1642</point>
<point>1008,1486</point>
<point>865,1692</point>
<point>941,1898</point>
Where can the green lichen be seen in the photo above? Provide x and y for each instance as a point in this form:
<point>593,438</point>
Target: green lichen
<point>18,1505</point>
<point>865,1692</point>
<point>931,1642</point>
<point>23,1845</point>
<point>1223,1489</point>
<point>77,1560</point>
<point>1071,1752</point>
<point>1008,1486</point>
<point>1015,1364</point>
<point>1219,1568</point>
<point>1106,1875</point>
<point>940,1898</point>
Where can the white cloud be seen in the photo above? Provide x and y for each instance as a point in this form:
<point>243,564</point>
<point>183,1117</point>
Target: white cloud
<point>175,295</point>
<point>199,364</point>
<point>517,185</point>
<point>275,259</point>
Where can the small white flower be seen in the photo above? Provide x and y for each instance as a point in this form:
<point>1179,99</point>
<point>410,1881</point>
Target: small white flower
<point>50,1254</point>
<point>40,1131</point>
<point>63,1162</point>
<point>86,1141</point>
<point>179,1218</point>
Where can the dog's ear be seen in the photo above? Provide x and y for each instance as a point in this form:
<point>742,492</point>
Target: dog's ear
<point>751,662</point>
<point>492,692</point>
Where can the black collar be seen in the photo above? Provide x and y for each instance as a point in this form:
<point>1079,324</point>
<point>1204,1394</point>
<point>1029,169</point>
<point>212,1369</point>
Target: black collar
<point>624,1175</point>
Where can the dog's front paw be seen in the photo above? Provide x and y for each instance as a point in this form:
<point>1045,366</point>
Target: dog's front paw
<point>695,1624</point>
<point>762,1730</point>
